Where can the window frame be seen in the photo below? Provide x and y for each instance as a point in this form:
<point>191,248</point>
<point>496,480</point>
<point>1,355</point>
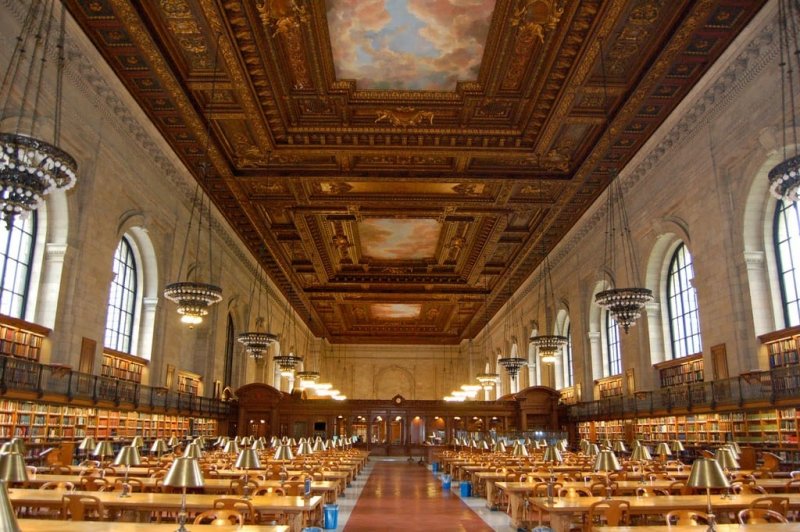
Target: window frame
<point>686,340</point>
<point>613,347</point>
<point>790,308</point>
<point>5,258</point>
<point>133,273</point>
<point>568,372</point>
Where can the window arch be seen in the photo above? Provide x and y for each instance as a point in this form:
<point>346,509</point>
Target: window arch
<point>16,261</point>
<point>613,351</point>
<point>684,316</point>
<point>786,235</point>
<point>122,299</point>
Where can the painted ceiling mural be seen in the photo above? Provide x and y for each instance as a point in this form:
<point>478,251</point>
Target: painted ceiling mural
<point>394,311</point>
<point>408,44</point>
<point>398,238</point>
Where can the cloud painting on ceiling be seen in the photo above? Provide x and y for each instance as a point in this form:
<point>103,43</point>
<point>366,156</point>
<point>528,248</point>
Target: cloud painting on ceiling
<point>399,238</point>
<point>395,311</point>
<point>408,44</point>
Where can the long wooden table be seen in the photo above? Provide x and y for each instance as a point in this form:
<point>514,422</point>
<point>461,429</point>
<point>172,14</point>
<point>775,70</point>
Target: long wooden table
<point>301,511</point>
<point>563,509</point>
<point>52,525</point>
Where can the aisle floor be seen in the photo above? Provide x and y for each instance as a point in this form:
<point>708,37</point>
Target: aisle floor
<point>402,495</point>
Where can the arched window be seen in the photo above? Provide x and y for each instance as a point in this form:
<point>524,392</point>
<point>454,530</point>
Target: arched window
<point>16,253</point>
<point>122,299</point>
<point>684,318</point>
<point>230,349</point>
<point>568,372</point>
<point>787,252</point>
<point>612,346</point>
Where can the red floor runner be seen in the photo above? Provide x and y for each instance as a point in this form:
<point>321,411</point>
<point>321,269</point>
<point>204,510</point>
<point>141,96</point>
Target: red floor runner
<point>406,496</point>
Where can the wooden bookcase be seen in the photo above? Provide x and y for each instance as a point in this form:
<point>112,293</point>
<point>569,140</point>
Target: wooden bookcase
<point>782,347</point>
<point>20,338</point>
<point>608,387</point>
<point>568,396</point>
<point>768,429</point>
<point>681,371</point>
<point>189,383</point>
<point>122,366</point>
<point>45,422</point>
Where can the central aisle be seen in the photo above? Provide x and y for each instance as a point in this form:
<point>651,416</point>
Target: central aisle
<point>405,496</point>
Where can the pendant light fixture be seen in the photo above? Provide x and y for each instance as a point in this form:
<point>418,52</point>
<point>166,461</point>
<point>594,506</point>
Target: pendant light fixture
<point>548,345</point>
<point>488,378</point>
<point>31,167</point>
<point>511,363</point>
<point>784,178</point>
<point>289,361</point>
<point>624,304</point>
<point>194,297</point>
<point>257,341</point>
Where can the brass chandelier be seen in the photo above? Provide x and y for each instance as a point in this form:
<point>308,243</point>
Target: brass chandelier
<point>548,345</point>
<point>31,167</point>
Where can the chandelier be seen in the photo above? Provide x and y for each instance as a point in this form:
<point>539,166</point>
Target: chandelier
<point>548,345</point>
<point>784,178</point>
<point>289,362</point>
<point>488,379</point>
<point>31,167</point>
<point>256,342</point>
<point>193,297</point>
<point>512,365</point>
<point>624,304</point>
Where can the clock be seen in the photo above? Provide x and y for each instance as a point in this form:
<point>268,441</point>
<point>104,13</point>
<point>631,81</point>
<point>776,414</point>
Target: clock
<point>398,400</point>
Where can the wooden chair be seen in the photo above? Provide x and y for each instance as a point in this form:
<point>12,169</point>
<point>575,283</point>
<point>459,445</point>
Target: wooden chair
<point>81,507</point>
<point>93,483</point>
<point>58,485</point>
<point>219,517</point>
<point>772,502</point>
<point>771,464</point>
<point>679,488</point>
<point>238,485</point>
<point>134,483</point>
<point>686,518</point>
<point>575,492</point>
<point>270,491</point>
<point>611,512</point>
<point>61,470</point>
<point>739,487</point>
<point>243,506</point>
<point>793,486</point>
<point>750,516</point>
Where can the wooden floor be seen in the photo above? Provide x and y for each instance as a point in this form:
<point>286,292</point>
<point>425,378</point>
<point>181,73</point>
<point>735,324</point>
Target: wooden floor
<point>406,496</point>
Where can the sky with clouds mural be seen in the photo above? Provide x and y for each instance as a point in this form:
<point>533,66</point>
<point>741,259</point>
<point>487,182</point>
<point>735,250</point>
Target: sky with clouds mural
<point>408,44</point>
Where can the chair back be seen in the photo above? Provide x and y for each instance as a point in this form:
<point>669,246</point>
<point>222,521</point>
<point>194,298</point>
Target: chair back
<point>243,506</point>
<point>219,517</point>
<point>74,505</point>
<point>685,518</point>
<point>62,485</point>
<point>772,502</point>
<point>752,516</point>
<point>610,512</point>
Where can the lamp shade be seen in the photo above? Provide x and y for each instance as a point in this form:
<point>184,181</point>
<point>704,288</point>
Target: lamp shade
<point>137,442</point>
<point>519,450</point>
<point>592,450</point>
<point>706,473</point>
<point>232,447</point>
<point>483,445</point>
<point>12,468</point>
<point>18,444</point>
<point>636,443</point>
<point>551,455</point>
<point>248,459</point>
<point>561,446</point>
<point>305,448</point>
<point>318,446</point>
<point>8,519</point>
<point>619,447</point>
<point>606,461</point>
<point>193,451</point>
<point>662,449</point>
<point>184,473</point>
<point>128,456</point>
<point>725,458</point>
<point>87,444</point>
<point>736,447</point>
<point>732,449</point>
<point>159,446</point>
<point>606,444</point>
<point>258,445</point>
<point>173,441</point>
<point>499,447</point>
<point>104,448</point>
<point>677,446</point>
<point>284,452</point>
<point>641,453</point>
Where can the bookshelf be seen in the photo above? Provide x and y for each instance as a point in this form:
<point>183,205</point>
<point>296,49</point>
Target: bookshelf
<point>122,366</point>
<point>20,338</point>
<point>188,383</point>
<point>568,396</point>
<point>608,387</point>
<point>768,429</point>
<point>782,347</point>
<point>39,422</point>
<point>681,371</point>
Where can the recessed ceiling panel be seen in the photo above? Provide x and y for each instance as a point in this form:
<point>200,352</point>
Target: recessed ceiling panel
<point>399,238</point>
<point>408,44</point>
<point>395,311</point>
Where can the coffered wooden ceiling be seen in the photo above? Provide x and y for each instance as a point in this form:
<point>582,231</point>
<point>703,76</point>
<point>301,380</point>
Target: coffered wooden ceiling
<point>384,212</point>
